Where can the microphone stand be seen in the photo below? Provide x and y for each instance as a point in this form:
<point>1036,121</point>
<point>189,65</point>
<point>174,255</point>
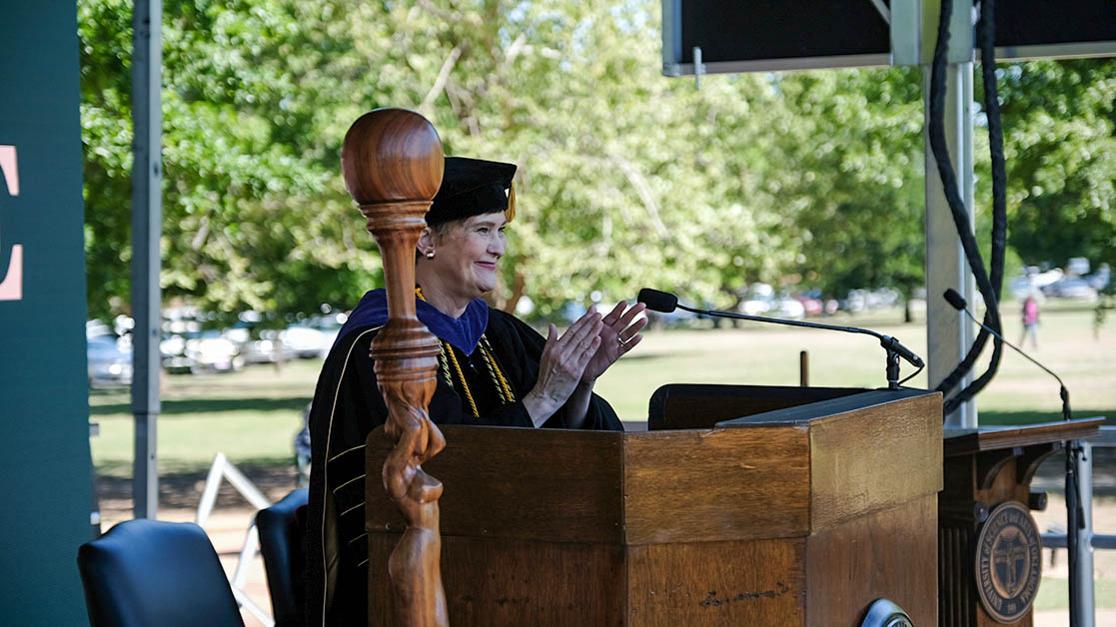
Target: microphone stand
<point>1075,515</point>
<point>1075,521</point>
<point>892,369</point>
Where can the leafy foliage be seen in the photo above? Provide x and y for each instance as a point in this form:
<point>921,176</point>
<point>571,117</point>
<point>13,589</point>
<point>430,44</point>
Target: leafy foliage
<point>254,216</point>
<point>626,178</point>
<point>855,192</point>
<point>1060,136</point>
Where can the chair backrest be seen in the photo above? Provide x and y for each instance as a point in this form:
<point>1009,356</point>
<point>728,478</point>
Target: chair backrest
<point>281,528</point>
<point>144,572</point>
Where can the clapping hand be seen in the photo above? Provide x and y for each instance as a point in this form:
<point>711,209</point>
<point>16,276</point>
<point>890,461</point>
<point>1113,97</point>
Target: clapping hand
<point>562,365</point>
<point>618,335</point>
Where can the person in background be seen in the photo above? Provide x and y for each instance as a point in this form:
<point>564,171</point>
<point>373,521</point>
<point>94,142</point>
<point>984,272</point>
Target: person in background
<point>1030,320</point>
<point>302,449</point>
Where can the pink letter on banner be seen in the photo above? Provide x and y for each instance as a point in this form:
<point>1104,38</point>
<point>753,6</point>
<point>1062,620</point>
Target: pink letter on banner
<point>11,287</point>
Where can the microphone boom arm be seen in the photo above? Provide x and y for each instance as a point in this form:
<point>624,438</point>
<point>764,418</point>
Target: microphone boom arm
<point>1063,392</point>
<point>894,348</point>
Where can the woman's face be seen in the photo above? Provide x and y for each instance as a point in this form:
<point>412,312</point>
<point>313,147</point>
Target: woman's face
<point>467,253</point>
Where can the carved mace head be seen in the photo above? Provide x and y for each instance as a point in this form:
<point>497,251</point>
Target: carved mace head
<point>392,156</point>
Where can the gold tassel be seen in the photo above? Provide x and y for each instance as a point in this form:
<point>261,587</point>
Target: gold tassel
<point>509,213</point>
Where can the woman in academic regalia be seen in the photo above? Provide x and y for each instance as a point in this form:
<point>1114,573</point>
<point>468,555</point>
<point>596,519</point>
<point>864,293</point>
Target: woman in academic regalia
<point>493,370</point>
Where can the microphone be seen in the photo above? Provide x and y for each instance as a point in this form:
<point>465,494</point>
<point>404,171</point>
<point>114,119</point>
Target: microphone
<point>666,302</point>
<point>657,301</point>
<point>957,301</point>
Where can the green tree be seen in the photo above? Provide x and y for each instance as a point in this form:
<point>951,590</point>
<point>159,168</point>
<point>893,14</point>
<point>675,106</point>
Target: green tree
<point>1060,143</point>
<point>850,176</point>
<point>254,98</point>
<point>626,177</point>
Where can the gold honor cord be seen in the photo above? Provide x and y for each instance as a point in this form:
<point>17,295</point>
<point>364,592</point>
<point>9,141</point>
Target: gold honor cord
<point>502,385</point>
<point>447,357</point>
<point>448,350</point>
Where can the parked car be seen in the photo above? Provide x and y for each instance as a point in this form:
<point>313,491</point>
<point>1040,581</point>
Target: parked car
<point>811,304</point>
<point>258,345</point>
<point>266,347</point>
<point>305,341</point>
<point>1071,287</point>
<point>96,328</point>
<point>172,352</point>
<point>1100,279</point>
<point>864,300</point>
<point>330,326</point>
<point>1032,279</point>
<point>214,352</point>
<point>108,365</point>
<point>787,307</point>
<point>758,300</point>
<point>200,351</point>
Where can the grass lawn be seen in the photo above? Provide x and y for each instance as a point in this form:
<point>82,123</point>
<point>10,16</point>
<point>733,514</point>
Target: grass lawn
<point>252,415</point>
<point>1053,592</point>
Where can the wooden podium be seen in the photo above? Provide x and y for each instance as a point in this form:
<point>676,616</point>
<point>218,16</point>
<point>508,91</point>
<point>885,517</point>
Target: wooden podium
<point>802,515</point>
<point>983,512</point>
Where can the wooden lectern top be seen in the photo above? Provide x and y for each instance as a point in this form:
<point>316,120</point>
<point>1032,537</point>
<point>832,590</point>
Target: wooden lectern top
<point>960,442</point>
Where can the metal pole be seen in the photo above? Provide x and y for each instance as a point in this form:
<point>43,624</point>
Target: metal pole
<point>948,335</point>
<point>147,217</point>
<point>1083,595</point>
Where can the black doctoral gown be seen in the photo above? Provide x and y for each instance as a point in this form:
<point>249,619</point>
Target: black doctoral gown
<point>348,405</point>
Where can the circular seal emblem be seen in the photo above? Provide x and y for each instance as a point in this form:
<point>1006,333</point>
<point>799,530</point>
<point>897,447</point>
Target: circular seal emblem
<point>1008,562</point>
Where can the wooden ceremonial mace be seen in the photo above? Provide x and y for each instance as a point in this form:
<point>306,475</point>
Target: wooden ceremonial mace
<point>393,163</point>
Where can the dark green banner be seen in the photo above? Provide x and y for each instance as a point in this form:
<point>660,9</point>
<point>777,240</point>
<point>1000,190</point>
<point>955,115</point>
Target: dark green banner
<point>44,415</point>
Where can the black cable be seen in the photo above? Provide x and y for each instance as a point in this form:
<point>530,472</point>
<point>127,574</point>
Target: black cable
<point>986,38</point>
<point>986,29</point>
<point>956,204</point>
<point>911,376</point>
<point>940,150</point>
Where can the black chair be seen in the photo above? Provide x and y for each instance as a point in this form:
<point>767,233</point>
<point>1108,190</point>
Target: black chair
<point>144,572</point>
<point>281,528</point>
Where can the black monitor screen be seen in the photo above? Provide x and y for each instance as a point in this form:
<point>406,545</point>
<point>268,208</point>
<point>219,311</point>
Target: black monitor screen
<point>1044,28</point>
<point>744,35</point>
<point>762,35</point>
<point>731,30</point>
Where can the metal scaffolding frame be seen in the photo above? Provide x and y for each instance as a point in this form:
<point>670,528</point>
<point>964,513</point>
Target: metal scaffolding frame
<point>147,219</point>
